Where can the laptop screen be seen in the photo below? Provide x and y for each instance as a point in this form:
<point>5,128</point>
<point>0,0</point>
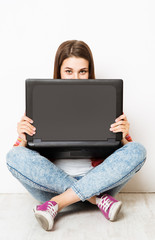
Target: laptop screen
<point>74,111</point>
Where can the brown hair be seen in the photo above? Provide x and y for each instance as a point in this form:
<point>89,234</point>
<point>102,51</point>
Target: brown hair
<point>73,48</point>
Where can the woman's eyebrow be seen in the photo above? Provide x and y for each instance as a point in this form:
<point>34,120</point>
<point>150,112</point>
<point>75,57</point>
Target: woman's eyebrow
<point>68,68</point>
<point>80,68</point>
<point>84,68</point>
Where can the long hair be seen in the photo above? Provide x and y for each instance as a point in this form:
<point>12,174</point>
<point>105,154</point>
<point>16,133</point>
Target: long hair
<point>72,48</point>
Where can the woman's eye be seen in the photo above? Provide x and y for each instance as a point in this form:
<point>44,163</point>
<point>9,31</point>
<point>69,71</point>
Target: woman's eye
<point>68,71</point>
<point>83,71</point>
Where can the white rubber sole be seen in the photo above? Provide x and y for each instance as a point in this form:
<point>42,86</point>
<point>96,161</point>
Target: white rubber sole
<point>115,208</point>
<point>44,219</point>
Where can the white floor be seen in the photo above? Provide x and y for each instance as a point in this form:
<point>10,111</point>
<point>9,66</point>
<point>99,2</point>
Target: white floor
<point>81,221</point>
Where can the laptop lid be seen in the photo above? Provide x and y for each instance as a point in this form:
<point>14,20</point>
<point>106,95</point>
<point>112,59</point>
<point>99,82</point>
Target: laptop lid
<point>75,113</point>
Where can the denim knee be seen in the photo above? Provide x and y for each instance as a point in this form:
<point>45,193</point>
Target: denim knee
<point>14,155</point>
<point>138,150</point>
<point>11,155</point>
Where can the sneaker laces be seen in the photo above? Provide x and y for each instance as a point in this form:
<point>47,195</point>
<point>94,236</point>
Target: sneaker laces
<point>105,204</point>
<point>51,209</point>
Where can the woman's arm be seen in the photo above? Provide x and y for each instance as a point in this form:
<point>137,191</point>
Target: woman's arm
<point>23,127</point>
<point>122,125</point>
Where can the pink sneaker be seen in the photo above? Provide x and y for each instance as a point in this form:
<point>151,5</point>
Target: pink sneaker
<point>46,213</point>
<point>109,206</point>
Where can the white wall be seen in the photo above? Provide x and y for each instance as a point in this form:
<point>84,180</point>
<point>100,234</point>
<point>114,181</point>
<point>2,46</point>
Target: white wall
<point>121,35</point>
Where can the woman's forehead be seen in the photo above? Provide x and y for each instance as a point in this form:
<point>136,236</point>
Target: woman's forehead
<point>75,62</point>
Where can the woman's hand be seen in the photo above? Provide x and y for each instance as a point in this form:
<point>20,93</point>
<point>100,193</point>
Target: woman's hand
<point>121,125</point>
<point>24,126</point>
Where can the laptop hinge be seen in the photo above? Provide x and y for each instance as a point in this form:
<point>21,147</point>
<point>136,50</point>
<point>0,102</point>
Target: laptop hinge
<point>37,140</point>
<point>111,140</point>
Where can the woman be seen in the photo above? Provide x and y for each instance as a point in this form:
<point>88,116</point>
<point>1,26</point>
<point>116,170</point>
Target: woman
<point>61,182</point>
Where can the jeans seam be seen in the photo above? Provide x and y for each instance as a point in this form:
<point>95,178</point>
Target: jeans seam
<point>17,173</point>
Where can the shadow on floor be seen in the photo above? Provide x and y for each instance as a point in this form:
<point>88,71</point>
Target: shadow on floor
<point>76,208</point>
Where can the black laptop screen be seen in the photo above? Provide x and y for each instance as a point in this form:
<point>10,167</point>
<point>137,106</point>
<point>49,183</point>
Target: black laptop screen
<point>73,112</point>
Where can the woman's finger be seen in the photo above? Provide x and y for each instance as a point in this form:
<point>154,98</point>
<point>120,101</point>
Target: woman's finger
<point>25,123</point>
<point>25,118</point>
<point>26,130</point>
<point>118,123</point>
<point>119,128</point>
<point>122,117</point>
<point>24,126</point>
<point>123,131</point>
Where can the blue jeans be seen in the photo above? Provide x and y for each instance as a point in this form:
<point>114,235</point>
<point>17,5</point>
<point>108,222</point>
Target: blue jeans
<point>45,180</point>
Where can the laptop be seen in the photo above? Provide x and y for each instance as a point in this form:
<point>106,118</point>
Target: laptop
<point>73,116</point>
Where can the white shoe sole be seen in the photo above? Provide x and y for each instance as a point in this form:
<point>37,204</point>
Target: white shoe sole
<point>44,220</point>
<point>115,208</point>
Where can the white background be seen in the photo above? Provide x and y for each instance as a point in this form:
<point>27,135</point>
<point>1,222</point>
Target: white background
<point>121,35</point>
